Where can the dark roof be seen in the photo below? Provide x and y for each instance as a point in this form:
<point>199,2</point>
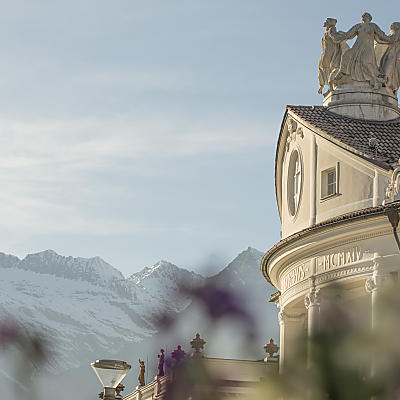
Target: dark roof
<point>355,133</point>
<point>351,216</point>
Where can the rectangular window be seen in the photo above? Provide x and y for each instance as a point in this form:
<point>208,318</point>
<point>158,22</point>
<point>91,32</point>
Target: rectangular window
<point>329,182</point>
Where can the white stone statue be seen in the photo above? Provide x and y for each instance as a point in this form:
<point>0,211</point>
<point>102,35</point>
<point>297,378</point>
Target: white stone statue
<point>329,62</point>
<point>359,62</point>
<point>389,66</point>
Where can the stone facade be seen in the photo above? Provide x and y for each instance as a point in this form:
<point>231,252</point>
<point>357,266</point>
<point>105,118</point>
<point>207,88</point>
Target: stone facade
<point>334,186</point>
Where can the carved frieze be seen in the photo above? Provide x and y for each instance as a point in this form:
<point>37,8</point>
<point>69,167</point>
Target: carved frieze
<point>339,258</point>
<point>334,265</point>
<point>295,275</point>
<point>293,132</point>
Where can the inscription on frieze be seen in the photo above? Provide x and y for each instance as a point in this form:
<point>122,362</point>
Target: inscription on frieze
<point>294,276</point>
<point>339,258</point>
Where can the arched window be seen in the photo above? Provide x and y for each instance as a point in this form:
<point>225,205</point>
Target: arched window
<point>295,181</point>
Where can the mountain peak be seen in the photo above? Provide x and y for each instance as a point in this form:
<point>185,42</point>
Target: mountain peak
<point>166,272</point>
<point>94,270</point>
<point>242,264</point>
<point>160,267</point>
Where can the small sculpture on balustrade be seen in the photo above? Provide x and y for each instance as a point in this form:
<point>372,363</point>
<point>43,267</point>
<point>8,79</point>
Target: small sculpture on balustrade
<point>161,359</point>
<point>197,344</point>
<point>141,373</point>
<point>120,388</point>
<point>178,355</point>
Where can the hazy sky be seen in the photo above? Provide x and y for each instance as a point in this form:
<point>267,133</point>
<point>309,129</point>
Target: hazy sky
<point>146,130</point>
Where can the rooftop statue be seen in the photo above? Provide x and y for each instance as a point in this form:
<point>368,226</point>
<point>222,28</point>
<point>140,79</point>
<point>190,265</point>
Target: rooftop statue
<point>358,63</point>
<point>329,62</point>
<point>389,66</point>
<point>161,359</point>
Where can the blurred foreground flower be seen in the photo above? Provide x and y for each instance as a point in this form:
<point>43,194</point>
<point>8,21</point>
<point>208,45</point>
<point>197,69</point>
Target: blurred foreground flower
<point>29,351</point>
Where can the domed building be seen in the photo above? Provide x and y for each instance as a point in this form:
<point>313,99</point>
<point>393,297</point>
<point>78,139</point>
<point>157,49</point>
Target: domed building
<point>337,184</point>
<point>337,179</point>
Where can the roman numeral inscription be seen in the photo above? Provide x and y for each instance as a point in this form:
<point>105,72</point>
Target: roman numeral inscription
<point>296,275</point>
<point>340,258</point>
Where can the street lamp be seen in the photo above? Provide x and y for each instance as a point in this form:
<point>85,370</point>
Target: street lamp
<point>110,374</point>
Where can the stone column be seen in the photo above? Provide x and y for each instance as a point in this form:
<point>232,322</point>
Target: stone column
<point>373,285</point>
<point>312,301</point>
<point>291,329</point>
<point>281,318</point>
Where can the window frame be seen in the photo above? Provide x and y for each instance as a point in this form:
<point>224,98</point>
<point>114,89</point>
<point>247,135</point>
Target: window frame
<point>325,184</point>
<point>295,182</point>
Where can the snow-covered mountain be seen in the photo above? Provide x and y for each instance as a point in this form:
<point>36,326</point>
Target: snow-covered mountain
<point>93,270</point>
<point>89,310</point>
<point>86,304</point>
<point>163,281</point>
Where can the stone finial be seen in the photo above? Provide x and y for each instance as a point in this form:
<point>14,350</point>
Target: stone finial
<point>271,348</point>
<point>197,344</point>
<point>178,354</point>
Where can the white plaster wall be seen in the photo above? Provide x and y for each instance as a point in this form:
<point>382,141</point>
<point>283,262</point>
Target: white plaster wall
<point>355,182</point>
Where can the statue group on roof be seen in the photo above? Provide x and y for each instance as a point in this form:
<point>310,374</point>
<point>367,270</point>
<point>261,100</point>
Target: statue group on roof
<point>374,58</point>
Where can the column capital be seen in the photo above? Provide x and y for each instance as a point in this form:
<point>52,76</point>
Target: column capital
<point>370,284</point>
<point>284,317</point>
<point>281,317</point>
<point>313,298</point>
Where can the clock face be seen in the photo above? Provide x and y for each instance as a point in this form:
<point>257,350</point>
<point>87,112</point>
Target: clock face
<point>294,182</point>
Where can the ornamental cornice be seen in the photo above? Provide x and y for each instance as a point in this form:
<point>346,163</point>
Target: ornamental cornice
<point>299,242</point>
<point>301,288</point>
<point>353,271</point>
<point>310,251</point>
<point>294,292</point>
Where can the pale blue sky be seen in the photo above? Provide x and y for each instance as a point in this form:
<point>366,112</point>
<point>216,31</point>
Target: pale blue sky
<point>146,130</point>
